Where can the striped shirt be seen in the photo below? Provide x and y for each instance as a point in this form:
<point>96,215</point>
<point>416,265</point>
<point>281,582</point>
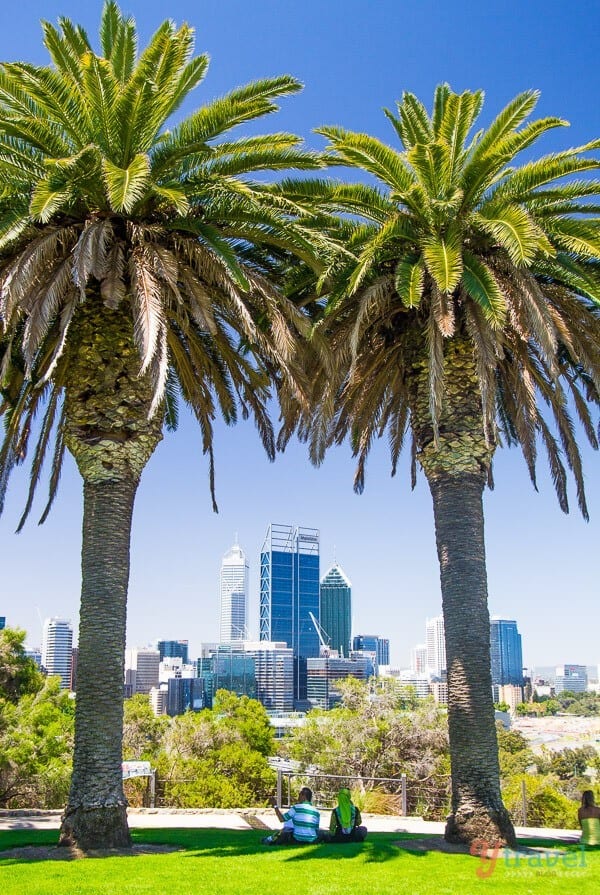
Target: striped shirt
<point>306,821</point>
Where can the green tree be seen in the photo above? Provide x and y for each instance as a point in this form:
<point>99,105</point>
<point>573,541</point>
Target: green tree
<point>134,263</point>
<point>465,317</point>
<point>19,674</point>
<point>36,743</point>
<point>218,757</point>
<point>546,805</point>
<point>366,738</point>
<point>142,729</point>
<point>514,752</point>
<point>246,716</point>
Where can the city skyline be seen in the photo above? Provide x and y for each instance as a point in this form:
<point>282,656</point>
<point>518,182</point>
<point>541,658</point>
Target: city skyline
<point>541,567</point>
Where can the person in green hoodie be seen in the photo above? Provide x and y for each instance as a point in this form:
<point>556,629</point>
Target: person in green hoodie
<point>346,822</point>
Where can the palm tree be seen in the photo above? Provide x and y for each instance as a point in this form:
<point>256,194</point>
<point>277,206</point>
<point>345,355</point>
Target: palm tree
<point>134,274</point>
<point>467,316</point>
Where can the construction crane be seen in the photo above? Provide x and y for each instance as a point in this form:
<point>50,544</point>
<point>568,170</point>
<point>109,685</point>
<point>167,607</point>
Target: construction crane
<point>325,649</point>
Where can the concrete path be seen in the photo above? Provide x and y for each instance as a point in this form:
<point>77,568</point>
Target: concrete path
<point>246,818</point>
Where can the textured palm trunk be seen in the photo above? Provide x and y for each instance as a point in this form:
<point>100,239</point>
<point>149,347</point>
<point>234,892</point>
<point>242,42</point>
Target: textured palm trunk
<point>96,814</point>
<point>477,809</point>
<point>456,465</point>
<point>111,438</point>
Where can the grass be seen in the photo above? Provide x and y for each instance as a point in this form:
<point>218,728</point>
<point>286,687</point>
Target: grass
<point>227,862</point>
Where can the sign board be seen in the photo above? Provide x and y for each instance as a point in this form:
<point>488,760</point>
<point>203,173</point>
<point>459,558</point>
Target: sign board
<point>136,769</point>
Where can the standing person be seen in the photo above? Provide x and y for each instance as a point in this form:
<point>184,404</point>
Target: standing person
<point>589,819</point>
<point>300,822</point>
<point>345,824</point>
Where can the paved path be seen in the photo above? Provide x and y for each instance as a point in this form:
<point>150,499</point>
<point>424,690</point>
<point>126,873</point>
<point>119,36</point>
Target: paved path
<point>244,819</point>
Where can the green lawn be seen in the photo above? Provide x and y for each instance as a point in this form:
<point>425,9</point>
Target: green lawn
<point>219,862</point>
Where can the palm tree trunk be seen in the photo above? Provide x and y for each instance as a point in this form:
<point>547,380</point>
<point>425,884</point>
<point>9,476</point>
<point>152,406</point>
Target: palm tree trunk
<point>477,809</point>
<point>96,814</point>
<point>111,436</point>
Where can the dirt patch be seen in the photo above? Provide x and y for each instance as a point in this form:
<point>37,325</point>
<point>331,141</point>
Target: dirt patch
<point>433,843</point>
<point>62,853</point>
<point>438,843</point>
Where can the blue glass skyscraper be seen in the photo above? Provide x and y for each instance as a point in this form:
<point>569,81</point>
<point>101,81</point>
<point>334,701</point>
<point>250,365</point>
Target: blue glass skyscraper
<point>506,652</point>
<point>289,592</point>
<point>172,649</point>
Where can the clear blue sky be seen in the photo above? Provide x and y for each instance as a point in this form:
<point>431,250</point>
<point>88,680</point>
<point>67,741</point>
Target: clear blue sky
<point>354,58</point>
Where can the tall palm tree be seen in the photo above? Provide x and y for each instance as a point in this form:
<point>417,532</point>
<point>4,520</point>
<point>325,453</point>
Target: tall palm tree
<point>134,271</point>
<point>467,317</point>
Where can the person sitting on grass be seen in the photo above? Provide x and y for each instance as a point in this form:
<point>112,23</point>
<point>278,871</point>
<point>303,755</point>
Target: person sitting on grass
<point>300,822</point>
<point>345,825</point>
<point>589,819</point>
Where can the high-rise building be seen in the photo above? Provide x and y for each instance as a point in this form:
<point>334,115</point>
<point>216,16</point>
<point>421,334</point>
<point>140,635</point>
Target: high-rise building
<point>274,670</point>
<point>323,676</point>
<point>234,595</point>
<point>336,609</point>
<point>418,659</point>
<point>505,652</point>
<point>436,646</point>
<point>233,669</point>
<point>383,651</point>
<point>373,643</point>
<point>184,694</point>
<point>57,646</point>
<point>571,677</point>
<point>158,699</point>
<point>141,670</point>
<point>173,649</point>
<point>172,666</point>
<point>289,592</point>
<point>2,621</point>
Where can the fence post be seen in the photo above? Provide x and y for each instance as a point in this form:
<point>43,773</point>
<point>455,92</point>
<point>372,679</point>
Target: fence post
<point>524,801</point>
<point>152,788</point>
<point>279,786</point>
<point>404,797</point>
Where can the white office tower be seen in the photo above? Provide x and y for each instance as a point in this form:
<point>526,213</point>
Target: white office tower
<point>57,649</point>
<point>418,659</point>
<point>234,595</point>
<point>436,646</point>
<point>274,672</point>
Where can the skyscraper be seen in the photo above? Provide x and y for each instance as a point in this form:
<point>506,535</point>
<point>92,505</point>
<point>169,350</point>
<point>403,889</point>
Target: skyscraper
<point>418,659</point>
<point>141,670</point>
<point>436,646</point>
<point>324,675</point>
<point>2,621</point>
<point>373,643</point>
<point>184,694</point>
<point>57,645</point>
<point>234,595</point>
<point>289,592</point>
<point>234,670</point>
<point>274,669</point>
<point>173,649</point>
<point>336,609</point>
<point>505,652</point>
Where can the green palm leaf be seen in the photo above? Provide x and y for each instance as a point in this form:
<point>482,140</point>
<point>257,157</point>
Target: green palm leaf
<point>126,186</point>
<point>481,285</point>
<point>443,258</point>
<point>513,229</point>
<point>47,199</point>
<point>409,280</point>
